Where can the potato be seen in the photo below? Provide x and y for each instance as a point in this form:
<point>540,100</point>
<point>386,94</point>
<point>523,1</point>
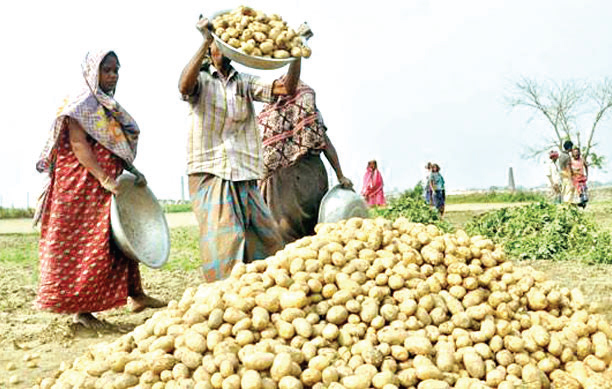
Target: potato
<point>474,364</point>
<point>355,382</point>
<point>289,382</point>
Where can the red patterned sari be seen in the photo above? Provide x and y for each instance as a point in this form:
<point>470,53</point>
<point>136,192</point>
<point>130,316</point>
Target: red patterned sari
<point>80,269</point>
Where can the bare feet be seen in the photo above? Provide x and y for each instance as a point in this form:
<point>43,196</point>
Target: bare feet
<point>89,321</point>
<point>142,301</point>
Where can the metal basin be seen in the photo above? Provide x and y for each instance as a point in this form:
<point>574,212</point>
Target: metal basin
<point>245,59</point>
<point>341,204</point>
<point>138,224</point>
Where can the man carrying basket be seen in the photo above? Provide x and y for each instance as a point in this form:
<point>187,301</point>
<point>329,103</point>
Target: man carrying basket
<point>225,157</point>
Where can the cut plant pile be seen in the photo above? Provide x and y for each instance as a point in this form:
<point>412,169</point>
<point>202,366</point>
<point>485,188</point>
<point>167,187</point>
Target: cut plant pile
<point>411,206</point>
<point>545,231</point>
<point>363,303</point>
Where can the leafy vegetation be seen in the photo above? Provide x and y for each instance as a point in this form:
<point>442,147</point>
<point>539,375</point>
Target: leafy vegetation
<point>412,206</point>
<point>545,231</point>
<point>174,208</point>
<point>16,213</point>
<point>496,197</point>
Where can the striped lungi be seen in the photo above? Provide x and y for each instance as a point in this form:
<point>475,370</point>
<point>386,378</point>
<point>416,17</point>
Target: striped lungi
<point>235,224</point>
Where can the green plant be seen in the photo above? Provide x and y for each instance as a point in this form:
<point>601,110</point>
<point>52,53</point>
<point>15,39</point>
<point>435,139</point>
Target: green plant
<point>172,208</point>
<point>496,197</point>
<point>412,206</point>
<point>545,231</point>
<point>15,213</point>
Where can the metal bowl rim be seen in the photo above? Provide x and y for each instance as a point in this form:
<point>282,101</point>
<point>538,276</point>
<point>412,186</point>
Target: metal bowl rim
<point>117,228</point>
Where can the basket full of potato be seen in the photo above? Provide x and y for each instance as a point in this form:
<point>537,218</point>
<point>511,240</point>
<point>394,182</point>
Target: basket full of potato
<point>257,40</point>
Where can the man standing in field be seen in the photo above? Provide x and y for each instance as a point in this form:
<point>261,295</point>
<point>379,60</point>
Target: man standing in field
<point>554,177</point>
<point>567,187</point>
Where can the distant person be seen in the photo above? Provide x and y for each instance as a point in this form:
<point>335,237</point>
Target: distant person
<point>295,180</point>
<point>568,191</point>
<point>224,159</point>
<point>554,176</point>
<point>372,189</point>
<point>436,183</point>
<point>426,187</point>
<point>92,140</point>
<point>580,172</point>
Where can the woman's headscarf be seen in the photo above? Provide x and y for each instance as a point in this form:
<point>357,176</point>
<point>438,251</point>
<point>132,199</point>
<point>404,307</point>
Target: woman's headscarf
<point>101,117</point>
<point>98,113</point>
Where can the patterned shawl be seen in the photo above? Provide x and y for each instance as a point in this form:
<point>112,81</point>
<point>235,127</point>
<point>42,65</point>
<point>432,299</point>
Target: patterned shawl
<point>101,117</point>
<point>292,126</point>
<point>98,113</point>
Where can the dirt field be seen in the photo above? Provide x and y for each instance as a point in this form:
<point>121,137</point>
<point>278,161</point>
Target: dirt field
<point>53,339</point>
<point>26,332</point>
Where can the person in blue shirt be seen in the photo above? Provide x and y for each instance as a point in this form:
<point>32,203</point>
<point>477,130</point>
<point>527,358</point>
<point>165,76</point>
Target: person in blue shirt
<point>436,183</point>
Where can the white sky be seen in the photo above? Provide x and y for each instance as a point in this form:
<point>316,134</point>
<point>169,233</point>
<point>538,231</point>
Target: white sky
<point>404,81</point>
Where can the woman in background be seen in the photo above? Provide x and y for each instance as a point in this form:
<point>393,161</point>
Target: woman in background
<point>372,189</point>
<point>580,173</point>
<point>438,193</point>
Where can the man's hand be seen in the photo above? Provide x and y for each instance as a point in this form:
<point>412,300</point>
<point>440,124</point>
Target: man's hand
<point>203,25</point>
<point>345,182</point>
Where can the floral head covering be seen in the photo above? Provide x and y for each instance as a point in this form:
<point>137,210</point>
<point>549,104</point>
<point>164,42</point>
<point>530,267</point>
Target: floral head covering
<point>98,113</point>
<point>101,117</point>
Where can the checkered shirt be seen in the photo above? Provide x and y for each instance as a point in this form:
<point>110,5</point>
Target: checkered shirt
<point>224,139</point>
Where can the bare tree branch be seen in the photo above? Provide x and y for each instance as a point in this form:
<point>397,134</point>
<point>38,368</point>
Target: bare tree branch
<point>601,95</point>
<point>561,104</point>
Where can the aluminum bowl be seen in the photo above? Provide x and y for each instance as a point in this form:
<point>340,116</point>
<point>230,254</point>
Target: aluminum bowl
<point>138,224</point>
<point>341,204</point>
<point>245,59</point>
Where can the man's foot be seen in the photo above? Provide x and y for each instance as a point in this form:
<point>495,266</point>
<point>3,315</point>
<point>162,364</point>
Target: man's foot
<point>142,301</point>
<point>89,321</point>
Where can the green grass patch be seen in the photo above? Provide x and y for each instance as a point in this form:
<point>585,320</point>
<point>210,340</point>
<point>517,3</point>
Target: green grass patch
<point>545,231</point>
<point>19,248</point>
<point>184,249</point>
<point>496,197</point>
<point>16,213</point>
<point>174,208</point>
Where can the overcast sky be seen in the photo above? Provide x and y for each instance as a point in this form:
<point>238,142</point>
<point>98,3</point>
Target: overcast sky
<point>403,82</point>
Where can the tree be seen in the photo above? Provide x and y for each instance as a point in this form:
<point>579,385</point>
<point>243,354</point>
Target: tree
<point>562,105</point>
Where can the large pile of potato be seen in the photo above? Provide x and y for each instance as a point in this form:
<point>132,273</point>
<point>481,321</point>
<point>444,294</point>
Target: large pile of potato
<point>258,34</point>
<point>363,303</point>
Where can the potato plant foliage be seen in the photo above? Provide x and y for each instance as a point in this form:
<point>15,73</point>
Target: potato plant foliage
<point>545,231</point>
<point>410,205</point>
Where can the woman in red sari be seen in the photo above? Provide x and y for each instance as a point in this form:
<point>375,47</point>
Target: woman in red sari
<point>372,189</point>
<point>92,140</point>
<point>580,172</point>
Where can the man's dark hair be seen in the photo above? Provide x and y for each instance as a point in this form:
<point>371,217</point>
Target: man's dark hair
<point>567,145</point>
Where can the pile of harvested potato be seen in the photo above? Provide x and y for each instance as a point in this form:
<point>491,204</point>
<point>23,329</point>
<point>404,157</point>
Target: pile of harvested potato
<point>255,33</point>
<point>363,303</point>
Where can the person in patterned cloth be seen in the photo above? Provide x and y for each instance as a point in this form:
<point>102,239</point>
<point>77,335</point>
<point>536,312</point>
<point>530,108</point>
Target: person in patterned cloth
<point>295,180</point>
<point>92,140</point>
<point>224,159</point>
